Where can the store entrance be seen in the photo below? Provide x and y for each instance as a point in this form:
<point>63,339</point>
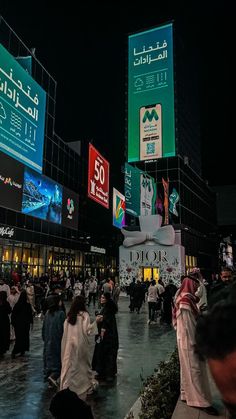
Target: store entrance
<point>149,273</point>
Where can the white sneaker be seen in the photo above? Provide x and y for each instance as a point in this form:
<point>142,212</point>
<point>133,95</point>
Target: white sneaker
<point>149,321</point>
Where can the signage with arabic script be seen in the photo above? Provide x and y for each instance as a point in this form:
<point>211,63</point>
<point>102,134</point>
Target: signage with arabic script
<point>22,113</point>
<point>7,232</point>
<point>98,177</point>
<point>151,118</point>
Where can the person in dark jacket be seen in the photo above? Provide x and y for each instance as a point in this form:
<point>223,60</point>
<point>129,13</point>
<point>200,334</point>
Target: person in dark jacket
<point>138,296</point>
<point>21,319</point>
<point>219,290</point>
<point>52,332</point>
<point>5,310</point>
<point>107,343</point>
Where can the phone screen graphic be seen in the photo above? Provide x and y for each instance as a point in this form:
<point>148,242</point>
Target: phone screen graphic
<point>150,120</point>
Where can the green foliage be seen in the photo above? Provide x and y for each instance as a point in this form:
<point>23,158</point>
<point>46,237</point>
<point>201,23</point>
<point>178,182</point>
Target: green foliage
<point>161,390</point>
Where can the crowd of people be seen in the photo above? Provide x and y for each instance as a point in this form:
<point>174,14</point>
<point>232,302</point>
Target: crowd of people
<point>201,313</point>
<point>68,364</point>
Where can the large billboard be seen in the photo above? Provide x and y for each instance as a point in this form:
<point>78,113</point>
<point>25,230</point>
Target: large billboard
<point>22,113</point>
<point>140,192</point>
<point>118,209</point>
<point>151,117</point>
<point>98,177</point>
<point>42,197</point>
<point>24,190</point>
<point>11,182</point>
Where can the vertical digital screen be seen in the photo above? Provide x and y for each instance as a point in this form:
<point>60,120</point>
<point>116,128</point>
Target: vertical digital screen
<point>22,113</point>
<point>42,197</point>
<point>151,117</point>
<point>70,209</point>
<point>118,209</point>
<point>140,192</point>
<point>11,182</point>
<point>98,177</point>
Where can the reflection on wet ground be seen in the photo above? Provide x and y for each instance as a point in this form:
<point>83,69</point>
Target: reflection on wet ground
<point>24,395</point>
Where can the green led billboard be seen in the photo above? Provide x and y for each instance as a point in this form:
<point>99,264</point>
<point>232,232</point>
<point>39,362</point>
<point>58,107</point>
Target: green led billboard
<point>151,117</point>
<point>22,113</point>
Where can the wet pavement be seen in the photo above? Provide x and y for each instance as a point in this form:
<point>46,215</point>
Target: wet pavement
<point>24,395</point>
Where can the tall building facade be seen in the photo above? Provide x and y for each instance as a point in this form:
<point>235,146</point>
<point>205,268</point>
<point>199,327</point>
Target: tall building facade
<point>30,243</point>
<point>164,137</point>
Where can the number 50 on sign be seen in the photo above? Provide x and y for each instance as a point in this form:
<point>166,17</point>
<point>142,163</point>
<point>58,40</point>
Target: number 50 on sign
<point>98,177</point>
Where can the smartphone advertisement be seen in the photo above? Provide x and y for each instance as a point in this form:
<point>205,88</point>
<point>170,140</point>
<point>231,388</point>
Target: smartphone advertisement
<point>150,132</point>
<point>151,114</point>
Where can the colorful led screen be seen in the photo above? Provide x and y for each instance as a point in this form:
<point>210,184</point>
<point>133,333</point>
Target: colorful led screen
<point>42,197</point>
<point>140,192</point>
<point>118,209</point>
<point>70,208</point>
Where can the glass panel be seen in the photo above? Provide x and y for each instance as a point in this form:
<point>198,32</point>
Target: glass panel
<point>147,273</point>
<point>17,253</point>
<point>7,254</point>
<point>155,274</point>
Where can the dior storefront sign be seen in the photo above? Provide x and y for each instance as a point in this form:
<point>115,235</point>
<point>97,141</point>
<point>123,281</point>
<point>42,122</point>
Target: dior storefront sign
<point>170,260</point>
<point>7,232</point>
<point>148,256</point>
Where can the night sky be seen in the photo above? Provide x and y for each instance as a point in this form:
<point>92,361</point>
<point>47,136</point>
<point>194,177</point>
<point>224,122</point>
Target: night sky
<point>86,53</point>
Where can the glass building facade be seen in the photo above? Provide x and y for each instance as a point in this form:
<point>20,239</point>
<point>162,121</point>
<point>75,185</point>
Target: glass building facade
<point>37,245</point>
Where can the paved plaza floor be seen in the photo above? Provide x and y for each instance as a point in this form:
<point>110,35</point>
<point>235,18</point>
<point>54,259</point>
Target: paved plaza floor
<point>24,395</point>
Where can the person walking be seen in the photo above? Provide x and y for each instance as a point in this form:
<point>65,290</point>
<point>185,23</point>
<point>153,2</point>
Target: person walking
<point>21,319</point>
<point>116,293</point>
<point>106,348</point>
<point>194,384</point>
<point>5,310</point>
<point>219,290</point>
<point>52,332</point>
<point>12,299</point>
<point>76,372</point>
<point>152,301</point>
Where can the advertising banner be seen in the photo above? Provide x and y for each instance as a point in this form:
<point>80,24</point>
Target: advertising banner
<point>42,197</point>
<point>98,177</point>
<point>70,209</point>
<point>140,192</point>
<point>22,113</point>
<point>11,182</point>
<point>26,191</point>
<point>151,118</point>
<point>118,209</point>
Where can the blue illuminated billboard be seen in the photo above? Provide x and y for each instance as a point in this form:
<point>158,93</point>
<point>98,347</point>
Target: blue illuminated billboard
<point>42,197</point>
<point>22,113</point>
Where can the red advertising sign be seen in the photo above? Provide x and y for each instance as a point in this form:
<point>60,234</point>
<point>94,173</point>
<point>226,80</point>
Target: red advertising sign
<point>98,177</point>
